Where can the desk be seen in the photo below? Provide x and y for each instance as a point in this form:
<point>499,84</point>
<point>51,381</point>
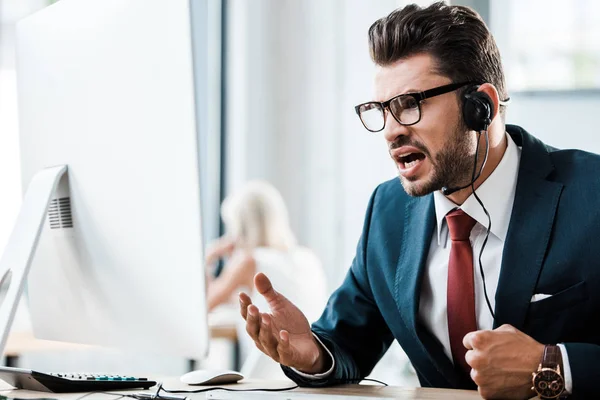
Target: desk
<point>402,393</point>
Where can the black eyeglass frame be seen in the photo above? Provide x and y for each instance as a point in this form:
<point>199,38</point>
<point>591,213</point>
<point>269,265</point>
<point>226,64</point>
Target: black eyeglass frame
<point>418,96</point>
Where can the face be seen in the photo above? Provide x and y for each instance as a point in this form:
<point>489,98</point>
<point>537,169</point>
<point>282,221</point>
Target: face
<point>438,150</point>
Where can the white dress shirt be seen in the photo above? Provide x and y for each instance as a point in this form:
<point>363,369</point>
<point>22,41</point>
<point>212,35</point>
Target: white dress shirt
<point>497,193</point>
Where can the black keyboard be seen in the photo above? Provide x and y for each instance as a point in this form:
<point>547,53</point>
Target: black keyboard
<point>70,382</point>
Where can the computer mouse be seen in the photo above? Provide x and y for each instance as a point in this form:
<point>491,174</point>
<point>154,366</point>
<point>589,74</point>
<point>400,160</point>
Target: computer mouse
<point>211,377</point>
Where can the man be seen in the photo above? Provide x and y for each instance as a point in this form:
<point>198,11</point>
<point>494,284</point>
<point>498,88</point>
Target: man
<point>417,275</point>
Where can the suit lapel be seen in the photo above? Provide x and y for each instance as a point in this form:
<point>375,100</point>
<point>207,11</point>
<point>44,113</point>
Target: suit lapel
<point>419,223</point>
<point>418,228</point>
<point>534,210</point>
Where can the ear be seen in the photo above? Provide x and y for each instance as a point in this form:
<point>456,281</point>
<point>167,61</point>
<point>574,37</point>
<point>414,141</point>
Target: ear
<point>491,91</point>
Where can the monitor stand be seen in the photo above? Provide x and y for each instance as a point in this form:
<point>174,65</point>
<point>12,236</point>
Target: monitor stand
<point>22,243</point>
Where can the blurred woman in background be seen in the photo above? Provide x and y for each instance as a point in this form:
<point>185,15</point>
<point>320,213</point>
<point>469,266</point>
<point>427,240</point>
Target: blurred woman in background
<point>259,239</point>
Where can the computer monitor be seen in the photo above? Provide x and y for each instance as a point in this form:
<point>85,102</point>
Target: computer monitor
<point>113,92</point>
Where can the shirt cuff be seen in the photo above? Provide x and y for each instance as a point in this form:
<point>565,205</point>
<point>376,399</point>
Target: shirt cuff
<point>566,369</point>
<point>323,374</point>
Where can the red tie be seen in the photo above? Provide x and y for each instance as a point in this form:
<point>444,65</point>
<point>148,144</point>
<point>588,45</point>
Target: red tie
<point>461,288</point>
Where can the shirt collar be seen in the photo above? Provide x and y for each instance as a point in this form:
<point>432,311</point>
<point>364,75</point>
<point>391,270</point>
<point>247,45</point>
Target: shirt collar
<point>497,193</point>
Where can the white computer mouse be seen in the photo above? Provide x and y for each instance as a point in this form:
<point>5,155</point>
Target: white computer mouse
<point>211,377</point>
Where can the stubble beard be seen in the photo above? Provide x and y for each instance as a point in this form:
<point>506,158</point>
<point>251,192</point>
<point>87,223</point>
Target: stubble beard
<point>451,167</point>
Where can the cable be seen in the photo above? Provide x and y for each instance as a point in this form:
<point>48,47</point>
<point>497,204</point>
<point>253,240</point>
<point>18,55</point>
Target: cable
<point>121,395</point>
<point>229,390</point>
<point>261,390</point>
<point>375,380</point>
<point>489,227</point>
<point>139,396</point>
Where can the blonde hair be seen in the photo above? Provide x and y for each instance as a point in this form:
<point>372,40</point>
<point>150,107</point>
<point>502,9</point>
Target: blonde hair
<point>256,216</point>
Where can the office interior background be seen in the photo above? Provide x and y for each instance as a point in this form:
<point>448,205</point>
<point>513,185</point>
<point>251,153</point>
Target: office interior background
<point>284,77</point>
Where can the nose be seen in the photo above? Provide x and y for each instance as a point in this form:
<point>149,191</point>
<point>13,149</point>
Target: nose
<point>393,129</point>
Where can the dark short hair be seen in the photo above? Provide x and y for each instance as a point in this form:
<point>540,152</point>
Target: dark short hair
<point>456,36</point>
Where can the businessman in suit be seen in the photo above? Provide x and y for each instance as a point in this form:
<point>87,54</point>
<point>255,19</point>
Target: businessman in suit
<point>439,103</point>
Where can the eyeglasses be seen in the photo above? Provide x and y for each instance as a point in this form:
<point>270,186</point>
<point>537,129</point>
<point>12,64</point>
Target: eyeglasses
<point>405,108</point>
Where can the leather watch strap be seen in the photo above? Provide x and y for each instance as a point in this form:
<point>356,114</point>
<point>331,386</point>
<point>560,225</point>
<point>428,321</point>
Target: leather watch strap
<point>552,357</point>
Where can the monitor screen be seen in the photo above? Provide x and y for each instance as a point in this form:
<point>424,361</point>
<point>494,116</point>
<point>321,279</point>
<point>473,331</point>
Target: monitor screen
<point>116,90</point>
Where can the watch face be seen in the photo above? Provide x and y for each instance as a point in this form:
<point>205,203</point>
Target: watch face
<point>548,383</point>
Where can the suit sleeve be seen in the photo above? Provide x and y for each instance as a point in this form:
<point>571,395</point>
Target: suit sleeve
<point>583,361</point>
<point>351,327</point>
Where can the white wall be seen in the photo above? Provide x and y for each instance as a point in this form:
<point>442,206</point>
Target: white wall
<point>567,120</point>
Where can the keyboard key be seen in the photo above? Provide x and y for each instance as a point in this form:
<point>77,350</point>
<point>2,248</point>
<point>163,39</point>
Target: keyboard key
<point>72,381</point>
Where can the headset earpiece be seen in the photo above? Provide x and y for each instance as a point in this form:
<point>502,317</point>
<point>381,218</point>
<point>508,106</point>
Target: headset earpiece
<point>477,110</point>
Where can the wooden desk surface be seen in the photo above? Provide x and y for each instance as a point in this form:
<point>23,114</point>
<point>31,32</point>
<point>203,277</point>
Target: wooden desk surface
<point>396,392</point>
<point>358,391</point>
<point>366,390</point>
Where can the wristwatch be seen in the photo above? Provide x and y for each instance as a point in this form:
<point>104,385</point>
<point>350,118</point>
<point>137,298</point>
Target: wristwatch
<point>548,381</point>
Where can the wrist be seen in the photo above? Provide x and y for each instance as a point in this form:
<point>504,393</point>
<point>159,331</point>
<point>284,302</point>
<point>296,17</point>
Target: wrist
<point>548,380</point>
<point>321,361</point>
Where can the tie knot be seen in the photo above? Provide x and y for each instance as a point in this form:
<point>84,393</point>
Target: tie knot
<point>459,225</point>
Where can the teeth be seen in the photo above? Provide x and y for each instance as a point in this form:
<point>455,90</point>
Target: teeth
<point>404,155</point>
<point>410,164</point>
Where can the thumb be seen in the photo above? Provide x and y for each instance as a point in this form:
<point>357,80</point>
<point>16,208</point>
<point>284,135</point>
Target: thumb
<point>264,287</point>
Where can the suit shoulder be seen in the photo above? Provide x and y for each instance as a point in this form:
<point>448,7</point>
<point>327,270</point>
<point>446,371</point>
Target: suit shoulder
<point>389,196</point>
<point>573,155</point>
<point>575,163</point>
<point>391,188</point>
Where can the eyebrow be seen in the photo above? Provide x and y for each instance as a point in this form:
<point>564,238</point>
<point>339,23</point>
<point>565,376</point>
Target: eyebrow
<point>399,94</point>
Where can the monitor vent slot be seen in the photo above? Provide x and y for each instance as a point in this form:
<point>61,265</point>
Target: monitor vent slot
<point>59,213</point>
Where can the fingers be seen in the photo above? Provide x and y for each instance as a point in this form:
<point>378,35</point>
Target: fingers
<point>506,328</point>
<point>245,301</point>
<point>478,339</point>
<point>253,322</point>
<point>470,340</point>
<point>474,359</point>
<point>268,337</point>
<point>264,287</point>
<point>260,328</point>
<point>285,351</point>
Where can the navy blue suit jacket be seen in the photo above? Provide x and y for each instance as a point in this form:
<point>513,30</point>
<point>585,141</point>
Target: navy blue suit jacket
<point>551,247</point>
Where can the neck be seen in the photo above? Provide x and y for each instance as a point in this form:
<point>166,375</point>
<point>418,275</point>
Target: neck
<point>498,143</point>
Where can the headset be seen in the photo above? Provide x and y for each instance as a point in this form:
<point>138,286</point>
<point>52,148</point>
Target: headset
<point>477,109</point>
<point>477,113</point>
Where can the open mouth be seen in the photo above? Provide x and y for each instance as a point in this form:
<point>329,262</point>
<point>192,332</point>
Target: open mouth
<point>410,160</point>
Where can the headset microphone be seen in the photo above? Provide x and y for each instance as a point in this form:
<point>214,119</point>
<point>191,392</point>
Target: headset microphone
<point>446,191</point>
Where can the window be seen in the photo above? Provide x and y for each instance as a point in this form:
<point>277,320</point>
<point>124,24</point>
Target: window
<point>548,44</point>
